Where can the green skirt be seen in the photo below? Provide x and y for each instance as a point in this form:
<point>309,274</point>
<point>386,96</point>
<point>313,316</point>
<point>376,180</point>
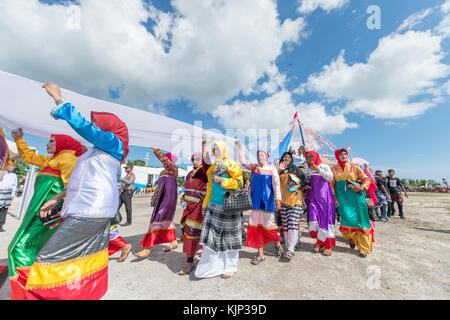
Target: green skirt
<point>352,208</point>
<point>355,223</point>
<point>32,235</point>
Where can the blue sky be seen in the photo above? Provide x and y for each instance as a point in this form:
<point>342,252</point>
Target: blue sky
<point>322,60</point>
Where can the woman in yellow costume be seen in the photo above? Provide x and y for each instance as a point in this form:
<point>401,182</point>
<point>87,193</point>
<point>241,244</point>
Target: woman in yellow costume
<point>32,234</point>
<point>221,235</point>
<point>350,201</point>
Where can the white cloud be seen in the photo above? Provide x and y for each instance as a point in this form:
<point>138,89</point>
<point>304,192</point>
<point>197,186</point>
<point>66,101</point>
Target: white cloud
<point>414,19</point>
<point>206,52</point>
<point>308,6</point>
<point>158,109</point>
<point>276,111</point>
<point>401,68</point>
<point>445,7</point>
<point>444,26</point>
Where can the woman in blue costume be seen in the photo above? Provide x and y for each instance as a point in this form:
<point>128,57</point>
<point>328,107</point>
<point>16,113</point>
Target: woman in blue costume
<point>73,264</point>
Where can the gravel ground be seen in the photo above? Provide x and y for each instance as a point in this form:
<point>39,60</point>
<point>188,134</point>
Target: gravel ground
<point>410,261</point>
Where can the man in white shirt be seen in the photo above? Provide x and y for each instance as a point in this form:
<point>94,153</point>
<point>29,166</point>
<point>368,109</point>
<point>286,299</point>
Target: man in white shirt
<point>8,186</point>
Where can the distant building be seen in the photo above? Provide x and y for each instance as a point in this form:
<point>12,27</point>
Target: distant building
<point>146,176</point>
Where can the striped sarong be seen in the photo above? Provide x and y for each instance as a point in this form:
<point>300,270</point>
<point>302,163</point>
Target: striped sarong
<point>73,264</point>
<point>5,198</point>
<point>290,217</point>
<point>221,232</point>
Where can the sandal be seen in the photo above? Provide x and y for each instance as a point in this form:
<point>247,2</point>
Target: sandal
<point>142,255</point>
<point>362,255</point>
<point>279,251</point>
<point>257,260</point>
<point>184,271</point>
<point>289,254</point>
<point>327,252</point>
<point>351,244</point>
<point>316,248</point>
<point>125,252</point>
<point>171,247</point>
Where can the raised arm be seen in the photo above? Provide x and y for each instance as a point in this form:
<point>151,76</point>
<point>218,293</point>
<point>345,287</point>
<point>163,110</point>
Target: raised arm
<point>247,165</point>
<point>168,164</point>
<point>28,155</point>
<point>105,141</point>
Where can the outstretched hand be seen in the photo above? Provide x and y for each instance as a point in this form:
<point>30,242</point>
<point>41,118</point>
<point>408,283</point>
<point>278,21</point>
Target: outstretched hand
<point>53,90</point>
<point>17,134</point>
<point>282,166</point>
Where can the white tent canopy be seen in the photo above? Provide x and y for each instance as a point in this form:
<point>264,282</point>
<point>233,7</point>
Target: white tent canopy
<point>13,153</point>
<point>25,104</point>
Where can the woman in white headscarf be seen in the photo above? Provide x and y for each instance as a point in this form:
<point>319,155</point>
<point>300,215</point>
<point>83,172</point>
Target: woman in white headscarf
<point>221,236</point>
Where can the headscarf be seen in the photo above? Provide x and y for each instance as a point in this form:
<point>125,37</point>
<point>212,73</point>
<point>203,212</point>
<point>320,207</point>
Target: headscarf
<point>223,150</point>
<point>65,142</point>
<point>290,165</point>
<point>171,157</point>
<point>195,158</point>
<point>111,123</point>
<point>336,154</point>
<point>293,169</point>
<point>316,156</point>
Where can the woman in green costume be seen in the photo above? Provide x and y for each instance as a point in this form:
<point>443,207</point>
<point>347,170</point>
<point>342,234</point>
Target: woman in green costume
<point>54,176</point>
<point>348,187</point>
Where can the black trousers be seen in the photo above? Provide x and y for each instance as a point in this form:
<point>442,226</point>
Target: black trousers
<point>391,209</point>
<point>3,212</point>
<point>125,198</point>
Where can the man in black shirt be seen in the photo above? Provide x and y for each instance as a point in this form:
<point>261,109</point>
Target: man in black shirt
<point>382,196</point>
<point>395,187</point>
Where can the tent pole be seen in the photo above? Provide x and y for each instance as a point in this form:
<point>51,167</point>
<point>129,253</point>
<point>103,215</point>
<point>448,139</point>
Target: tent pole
<point>24,199</point>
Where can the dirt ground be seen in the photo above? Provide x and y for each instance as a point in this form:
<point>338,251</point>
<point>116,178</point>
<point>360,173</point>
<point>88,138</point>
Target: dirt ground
<point>410,261</point>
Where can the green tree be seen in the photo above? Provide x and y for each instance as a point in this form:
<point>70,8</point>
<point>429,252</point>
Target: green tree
<point>422,183</point>
<point>137,163</point>
<point>21,168</point>
<point>180,181</point>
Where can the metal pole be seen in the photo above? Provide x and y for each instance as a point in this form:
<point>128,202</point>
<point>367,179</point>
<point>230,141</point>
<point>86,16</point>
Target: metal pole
<point>23,200</point>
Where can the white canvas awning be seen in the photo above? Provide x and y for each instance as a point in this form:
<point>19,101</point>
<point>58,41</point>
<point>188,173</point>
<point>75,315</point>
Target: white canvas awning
<point>25,104</point>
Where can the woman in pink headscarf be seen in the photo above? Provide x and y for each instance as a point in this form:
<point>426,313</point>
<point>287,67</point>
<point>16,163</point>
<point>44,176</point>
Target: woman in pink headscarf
<point>162,228</point>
